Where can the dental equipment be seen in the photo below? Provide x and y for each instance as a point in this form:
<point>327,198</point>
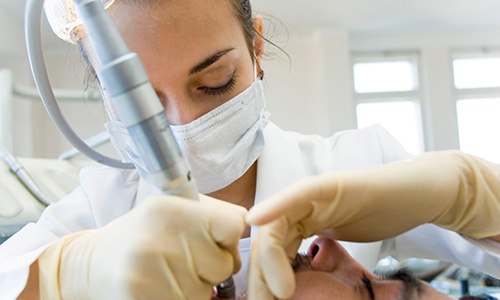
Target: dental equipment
<point>122,76</point>
<point>20,172</point>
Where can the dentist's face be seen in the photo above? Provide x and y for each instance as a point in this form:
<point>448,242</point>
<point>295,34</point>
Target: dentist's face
<point>194,52</point>
<point>330,273</point>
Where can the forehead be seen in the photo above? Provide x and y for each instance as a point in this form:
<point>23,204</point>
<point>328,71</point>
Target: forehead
<point>184,31</point>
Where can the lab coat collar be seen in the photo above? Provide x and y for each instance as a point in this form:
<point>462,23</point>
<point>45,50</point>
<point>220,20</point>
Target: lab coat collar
<point>278,166</point>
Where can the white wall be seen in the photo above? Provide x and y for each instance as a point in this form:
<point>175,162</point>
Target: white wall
<point>34,133</point>
<point>312,94</point>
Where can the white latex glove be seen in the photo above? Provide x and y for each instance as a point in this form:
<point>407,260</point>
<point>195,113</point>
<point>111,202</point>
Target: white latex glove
<point>165,248</point>
<point>449,189</point>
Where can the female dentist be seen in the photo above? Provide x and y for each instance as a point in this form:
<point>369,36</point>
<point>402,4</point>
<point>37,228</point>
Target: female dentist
<point>115,237</point>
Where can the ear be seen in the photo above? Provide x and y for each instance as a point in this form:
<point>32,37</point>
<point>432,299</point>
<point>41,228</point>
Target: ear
<point>258,39</point>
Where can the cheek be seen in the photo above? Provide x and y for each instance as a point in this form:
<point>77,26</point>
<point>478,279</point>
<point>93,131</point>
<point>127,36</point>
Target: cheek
<point>322,286</point>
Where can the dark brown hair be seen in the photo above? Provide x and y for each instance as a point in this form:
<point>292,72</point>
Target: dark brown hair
<point>243,12</point>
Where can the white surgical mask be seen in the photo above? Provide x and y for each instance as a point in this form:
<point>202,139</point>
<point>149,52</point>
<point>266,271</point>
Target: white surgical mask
<point>221,145</point>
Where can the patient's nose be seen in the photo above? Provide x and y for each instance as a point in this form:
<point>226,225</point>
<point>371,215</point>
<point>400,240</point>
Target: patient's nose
<point>326,254</point>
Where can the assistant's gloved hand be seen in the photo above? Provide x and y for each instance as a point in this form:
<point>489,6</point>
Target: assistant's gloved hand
<point>166,248</point>
<point>449,189</point>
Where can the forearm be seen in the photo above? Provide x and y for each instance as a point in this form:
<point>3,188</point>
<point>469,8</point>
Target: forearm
<point>31,291</point>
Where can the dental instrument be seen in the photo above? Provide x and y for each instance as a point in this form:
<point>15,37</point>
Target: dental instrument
<point>20,172</point>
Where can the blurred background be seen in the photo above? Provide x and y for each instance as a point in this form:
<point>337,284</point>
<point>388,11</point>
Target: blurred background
<point>429,71</point>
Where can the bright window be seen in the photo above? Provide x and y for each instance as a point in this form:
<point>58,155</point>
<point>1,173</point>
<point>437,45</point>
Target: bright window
<point>389,76</point>
<point>479,127</point>
<point>477,86</point>
<point>387,93</point>
<point>477,72</point>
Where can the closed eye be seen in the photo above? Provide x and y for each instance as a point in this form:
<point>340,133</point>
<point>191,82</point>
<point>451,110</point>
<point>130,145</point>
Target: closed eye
<point>220,90</point>
<point>368,286</point>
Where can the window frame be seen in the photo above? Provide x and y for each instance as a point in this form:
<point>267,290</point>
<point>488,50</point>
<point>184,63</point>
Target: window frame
<point>474,93</point>
<point>480,93</point>
<point>415,95</point>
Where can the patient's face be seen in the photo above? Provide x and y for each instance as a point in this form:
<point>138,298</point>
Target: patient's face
<point>329,272</point>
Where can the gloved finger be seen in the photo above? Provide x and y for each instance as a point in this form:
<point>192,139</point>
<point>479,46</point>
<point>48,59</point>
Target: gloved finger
<point>258,290</point>
<point>292,246</point>
<point>213,264</point>
<point>226,224</point>
<point>202,293</point>
<point>191,289</point>
<point>225,228</point>
<point>235,255</point>
<point>163,282</point>
<point>257,287</point>
<point>275,262</point>
<point>294,201</point>
<point>285,233</point>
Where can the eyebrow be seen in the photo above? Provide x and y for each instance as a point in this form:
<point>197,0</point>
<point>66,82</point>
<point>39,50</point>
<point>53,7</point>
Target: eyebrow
<point>209,61</point>
<point>410,282</point>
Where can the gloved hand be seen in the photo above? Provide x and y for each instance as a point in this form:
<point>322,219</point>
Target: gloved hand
<point>449,189</point>
<point>165,248</point>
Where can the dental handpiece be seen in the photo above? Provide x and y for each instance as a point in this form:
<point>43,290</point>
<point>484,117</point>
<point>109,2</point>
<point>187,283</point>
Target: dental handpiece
<point>20,172</point>
<point>122,74</point>
<point>134,100</point>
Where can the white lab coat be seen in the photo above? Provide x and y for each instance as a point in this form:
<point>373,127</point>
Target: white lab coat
<point>107,193</point>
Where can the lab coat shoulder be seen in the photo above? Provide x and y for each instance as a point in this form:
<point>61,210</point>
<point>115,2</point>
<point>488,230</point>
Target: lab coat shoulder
<point>110,192</point>
<point>349,149</point>
<point>104,194</point>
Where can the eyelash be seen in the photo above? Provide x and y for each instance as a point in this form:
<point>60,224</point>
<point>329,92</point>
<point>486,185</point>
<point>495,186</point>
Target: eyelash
<point>221,90</point>
<point>368,284</point>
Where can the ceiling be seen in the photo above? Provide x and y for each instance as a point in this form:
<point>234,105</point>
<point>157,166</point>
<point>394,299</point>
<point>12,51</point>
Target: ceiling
<point>357,17</point>
<point>365,17</point>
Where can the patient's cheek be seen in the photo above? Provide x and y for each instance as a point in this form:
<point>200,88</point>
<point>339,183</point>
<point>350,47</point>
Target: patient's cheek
<point>320,286</point>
